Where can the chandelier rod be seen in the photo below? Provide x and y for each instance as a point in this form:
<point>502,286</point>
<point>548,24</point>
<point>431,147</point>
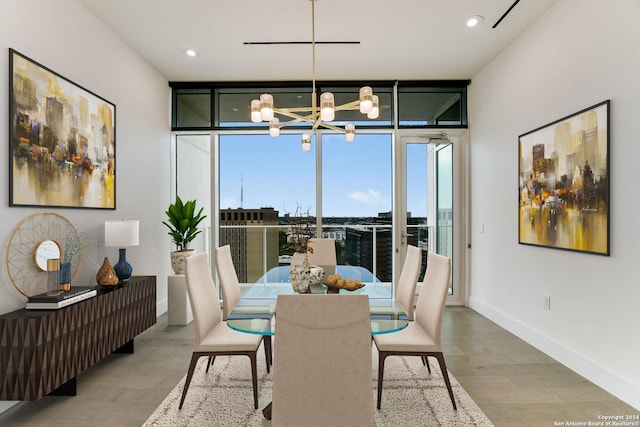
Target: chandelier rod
<point>313,57</point>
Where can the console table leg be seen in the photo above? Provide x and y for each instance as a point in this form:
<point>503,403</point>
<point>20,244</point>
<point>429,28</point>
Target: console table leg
<point>66,389</point>
<point>126,348</point>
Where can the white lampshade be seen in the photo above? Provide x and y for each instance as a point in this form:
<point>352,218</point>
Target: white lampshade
<point>274,127</point>
<point>350,129</point>
<point>375,108</point>
<point>266,107</point>
<point>327,105</point>
<point>256,115</point>
<point>121,234</point>
<point>366,99</point>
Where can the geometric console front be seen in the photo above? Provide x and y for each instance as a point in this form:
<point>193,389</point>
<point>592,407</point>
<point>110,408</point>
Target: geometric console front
<point>42,351</point>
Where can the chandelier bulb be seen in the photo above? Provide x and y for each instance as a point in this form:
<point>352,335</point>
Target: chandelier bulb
<point>350,132</point>
<point>274,127</point>
<point>306,142</point>
<point>366,99</point>
<point>375,108</point>
<point>266,107</point>
<point>327,107</point>
<point>256,115</point>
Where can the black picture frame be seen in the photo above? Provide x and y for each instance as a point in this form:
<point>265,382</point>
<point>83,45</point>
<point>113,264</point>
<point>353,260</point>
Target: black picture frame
<point>62,140</point>
<point>564,183</point>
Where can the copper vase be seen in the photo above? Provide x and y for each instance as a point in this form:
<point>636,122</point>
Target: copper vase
<point>106,275</point>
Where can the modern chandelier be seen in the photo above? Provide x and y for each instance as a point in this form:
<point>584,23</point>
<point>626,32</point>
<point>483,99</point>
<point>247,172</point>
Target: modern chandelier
<point>263,109</point>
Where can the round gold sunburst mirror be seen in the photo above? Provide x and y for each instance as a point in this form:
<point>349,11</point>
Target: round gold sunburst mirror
<point>36,239</point>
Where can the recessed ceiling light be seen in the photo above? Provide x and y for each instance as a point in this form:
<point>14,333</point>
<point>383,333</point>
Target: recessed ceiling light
<point>190,52</point>
<point>474,20</point>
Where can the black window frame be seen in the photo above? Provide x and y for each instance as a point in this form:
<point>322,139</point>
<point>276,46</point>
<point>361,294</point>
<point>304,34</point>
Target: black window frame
<point>217,88</point>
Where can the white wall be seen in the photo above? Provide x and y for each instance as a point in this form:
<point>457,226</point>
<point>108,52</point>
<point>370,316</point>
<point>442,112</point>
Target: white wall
<point>193,180</point>
<point>66,38</point>
<point>579,53</point>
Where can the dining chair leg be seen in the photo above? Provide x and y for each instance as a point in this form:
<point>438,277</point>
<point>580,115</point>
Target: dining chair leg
<point>254,377</point>
<point>445,375</point>
<point>268,351</point>
<point>382,355</point>
<point>210,363</point>
<point>425,362</point>
<point>192,367</point>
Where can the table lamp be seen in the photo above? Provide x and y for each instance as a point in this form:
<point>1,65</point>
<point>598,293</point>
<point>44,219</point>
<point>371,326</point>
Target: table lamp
<point>121,234</point>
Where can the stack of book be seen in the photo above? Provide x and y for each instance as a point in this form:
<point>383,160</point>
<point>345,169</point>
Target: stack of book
<point>56,299</point>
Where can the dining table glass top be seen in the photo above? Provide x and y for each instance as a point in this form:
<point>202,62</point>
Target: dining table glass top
<point>258,303</point>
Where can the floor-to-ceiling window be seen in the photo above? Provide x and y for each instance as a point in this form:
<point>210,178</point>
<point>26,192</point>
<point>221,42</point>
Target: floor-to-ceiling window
<point>357,199</point>
<point>261,182</point>
<point>374,195</point>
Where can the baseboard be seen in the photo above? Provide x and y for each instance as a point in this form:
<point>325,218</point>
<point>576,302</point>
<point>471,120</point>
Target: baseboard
<point>162,307</point>
<point>594,372</point>
<point>6,405</point>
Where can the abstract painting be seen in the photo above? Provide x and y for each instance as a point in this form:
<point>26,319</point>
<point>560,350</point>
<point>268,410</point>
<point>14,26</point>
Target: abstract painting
<point>564,183</point>
<point>62,140</point>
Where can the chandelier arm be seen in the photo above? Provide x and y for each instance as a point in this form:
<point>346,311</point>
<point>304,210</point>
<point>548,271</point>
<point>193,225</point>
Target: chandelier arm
<point>294,121</point>
<point>353,105</point>
<point>317,123</point>
<point>332,127</point>
<point>298,118</point>
<point>293,110</point>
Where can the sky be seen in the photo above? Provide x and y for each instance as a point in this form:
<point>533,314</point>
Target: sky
<point>357,176</point>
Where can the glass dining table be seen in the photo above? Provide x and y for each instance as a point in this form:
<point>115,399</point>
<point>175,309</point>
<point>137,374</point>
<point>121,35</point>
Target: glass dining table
<point>259,303</point>
<point>255,313</point>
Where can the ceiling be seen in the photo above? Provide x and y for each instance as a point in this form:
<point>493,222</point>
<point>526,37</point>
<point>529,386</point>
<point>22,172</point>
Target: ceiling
<point>401,39</point>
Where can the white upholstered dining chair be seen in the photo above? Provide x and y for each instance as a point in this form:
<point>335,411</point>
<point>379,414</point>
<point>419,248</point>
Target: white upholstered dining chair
<point>230,287</point>
<point>212,335</point>
<point>322,364</point>
<point>324,251</point>
<point>406,289</point>
<point>422,337</point>
<point>406,285</point>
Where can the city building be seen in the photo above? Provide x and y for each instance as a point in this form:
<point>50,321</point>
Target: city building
<point>243,231</point>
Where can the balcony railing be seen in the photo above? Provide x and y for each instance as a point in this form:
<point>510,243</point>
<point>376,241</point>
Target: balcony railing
<point>256,249</point>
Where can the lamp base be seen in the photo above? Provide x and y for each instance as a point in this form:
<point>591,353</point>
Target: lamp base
<point>123,269</point>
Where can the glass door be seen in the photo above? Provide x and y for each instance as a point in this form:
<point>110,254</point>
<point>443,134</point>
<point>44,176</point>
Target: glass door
<point>426,195</point>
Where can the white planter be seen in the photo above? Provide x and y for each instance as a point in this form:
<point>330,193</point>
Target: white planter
<point>178,262</point>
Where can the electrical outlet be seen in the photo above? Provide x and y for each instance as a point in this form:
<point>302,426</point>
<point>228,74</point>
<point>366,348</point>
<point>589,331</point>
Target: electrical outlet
<point>547,302</point>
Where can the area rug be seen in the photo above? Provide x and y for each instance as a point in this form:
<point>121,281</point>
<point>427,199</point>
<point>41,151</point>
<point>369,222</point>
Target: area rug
<point>223,397</point>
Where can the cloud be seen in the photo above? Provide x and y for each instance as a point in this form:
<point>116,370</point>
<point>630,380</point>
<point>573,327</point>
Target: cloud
<point>371,197</point>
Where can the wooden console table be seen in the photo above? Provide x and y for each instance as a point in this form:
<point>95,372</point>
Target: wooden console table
<point>42,351</point>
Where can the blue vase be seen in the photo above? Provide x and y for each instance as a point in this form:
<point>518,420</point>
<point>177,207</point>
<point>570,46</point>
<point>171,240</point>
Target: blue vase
<point>123,269</point>
<point>64,276</point>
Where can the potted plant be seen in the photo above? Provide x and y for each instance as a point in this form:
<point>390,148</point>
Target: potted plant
<point>183,224</point>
